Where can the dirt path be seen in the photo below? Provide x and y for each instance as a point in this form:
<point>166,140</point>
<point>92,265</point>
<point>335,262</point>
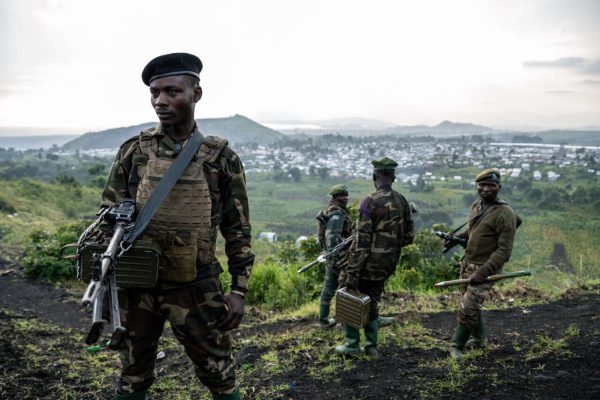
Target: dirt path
<point>545,351</point>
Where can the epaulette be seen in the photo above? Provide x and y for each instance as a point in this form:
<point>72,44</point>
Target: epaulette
<point>211,147</point>
<point>148,132</point>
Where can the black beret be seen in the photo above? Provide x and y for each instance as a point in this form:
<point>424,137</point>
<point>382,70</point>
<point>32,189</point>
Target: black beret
<point>172,64</point>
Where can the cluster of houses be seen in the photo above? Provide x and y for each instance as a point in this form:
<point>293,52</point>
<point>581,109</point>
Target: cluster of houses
<point>351,159</point>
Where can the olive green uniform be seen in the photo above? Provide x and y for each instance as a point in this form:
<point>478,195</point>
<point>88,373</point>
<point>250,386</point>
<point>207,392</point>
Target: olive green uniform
<point>195,305</point>
<point>489,246</point>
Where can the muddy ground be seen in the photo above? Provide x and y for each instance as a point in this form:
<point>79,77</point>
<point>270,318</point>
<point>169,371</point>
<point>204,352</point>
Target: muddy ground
<point>549,350</point>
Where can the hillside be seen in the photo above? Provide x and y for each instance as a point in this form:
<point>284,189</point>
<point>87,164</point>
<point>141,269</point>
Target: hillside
<point>237,129</point>
<point>534,351</point>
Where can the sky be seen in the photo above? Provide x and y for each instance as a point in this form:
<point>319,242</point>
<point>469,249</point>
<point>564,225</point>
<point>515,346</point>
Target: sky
<point>502,63</point>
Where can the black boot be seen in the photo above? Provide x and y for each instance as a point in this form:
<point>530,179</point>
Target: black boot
<point>371,338</point>
<point>477,340</point>
<point>351,347</point>
<point>141,395</point>
<point>324,321</point>
<point>233,396</point>
<point>461,335</point>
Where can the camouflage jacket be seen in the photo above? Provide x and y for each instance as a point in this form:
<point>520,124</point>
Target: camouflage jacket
<point>384,226</point>
<point>227,185</point>
<point>490,238</point>
<point>334,225</point>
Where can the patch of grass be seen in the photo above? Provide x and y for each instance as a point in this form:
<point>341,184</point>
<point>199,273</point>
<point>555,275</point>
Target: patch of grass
<point>546,346</point>
<point>457,376</point>
<point>411,334</point>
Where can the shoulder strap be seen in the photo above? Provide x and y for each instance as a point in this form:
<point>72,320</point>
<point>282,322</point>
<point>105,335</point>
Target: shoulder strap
<point>163,188</point>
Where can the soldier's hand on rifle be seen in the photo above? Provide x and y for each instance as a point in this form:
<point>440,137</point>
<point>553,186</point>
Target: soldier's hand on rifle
<point>235,305</point>
<point>478,277</point>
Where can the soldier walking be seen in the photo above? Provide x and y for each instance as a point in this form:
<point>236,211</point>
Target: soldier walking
<point>490,237</point>
<point>384,226</point>
<point>210,195</point>
<point>333,227</point>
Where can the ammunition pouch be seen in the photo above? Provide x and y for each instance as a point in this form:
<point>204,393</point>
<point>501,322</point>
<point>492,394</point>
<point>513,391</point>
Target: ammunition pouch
<point>178,263</point>
<point>352,308</point>
<point>137,268</point>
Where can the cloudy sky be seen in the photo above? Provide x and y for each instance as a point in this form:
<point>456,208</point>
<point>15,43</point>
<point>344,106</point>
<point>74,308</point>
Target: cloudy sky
<point>505,63</point>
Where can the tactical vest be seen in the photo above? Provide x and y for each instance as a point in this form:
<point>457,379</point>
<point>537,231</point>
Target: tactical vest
<point>324,216</point>
<point>182,223</point>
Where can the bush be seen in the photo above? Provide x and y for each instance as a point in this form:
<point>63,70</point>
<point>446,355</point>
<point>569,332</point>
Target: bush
<point>278,287</point>
<point>41,254</point>
<point>423,264</point>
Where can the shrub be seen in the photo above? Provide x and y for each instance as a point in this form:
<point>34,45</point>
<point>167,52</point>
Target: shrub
<point>41,254</point>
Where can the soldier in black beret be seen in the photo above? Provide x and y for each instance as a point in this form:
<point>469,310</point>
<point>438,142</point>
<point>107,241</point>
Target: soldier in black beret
<point>210,196</point>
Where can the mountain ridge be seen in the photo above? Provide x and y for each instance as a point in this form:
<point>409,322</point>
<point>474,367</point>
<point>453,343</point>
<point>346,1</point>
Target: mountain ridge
<point>236,129</point>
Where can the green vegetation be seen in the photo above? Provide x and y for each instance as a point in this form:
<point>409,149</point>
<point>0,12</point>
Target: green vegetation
<point>558,241</point>
<point>558,348</point>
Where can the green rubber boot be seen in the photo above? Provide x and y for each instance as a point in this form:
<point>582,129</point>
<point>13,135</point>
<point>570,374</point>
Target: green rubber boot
<point>371,338</point>
<point>324,321</point>
<point>233,396</point>
<point>477,340</point>
<point>461,335</point>
<point>141,395</point>
<point>385,321</point>
<point>351,347</point>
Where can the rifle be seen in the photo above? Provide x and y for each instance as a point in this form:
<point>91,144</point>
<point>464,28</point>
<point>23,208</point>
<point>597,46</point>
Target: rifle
<point>339,247</point>
<point>450,240</point>
<point>491,278</point>
<point>104,277</point>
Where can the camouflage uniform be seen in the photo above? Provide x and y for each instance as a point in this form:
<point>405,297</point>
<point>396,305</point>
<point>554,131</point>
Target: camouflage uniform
<point>193,308</point>
<point>337,228</point>
<point>384,226</point>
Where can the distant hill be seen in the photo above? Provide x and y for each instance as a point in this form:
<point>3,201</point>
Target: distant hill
<point>237,129</point>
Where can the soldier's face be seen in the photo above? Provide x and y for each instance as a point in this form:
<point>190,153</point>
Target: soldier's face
<point>488,190</point>
<point>174,99</point>
<point>342,199</point>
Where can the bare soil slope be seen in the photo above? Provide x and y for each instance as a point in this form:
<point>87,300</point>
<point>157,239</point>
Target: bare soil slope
<point>544,351</point>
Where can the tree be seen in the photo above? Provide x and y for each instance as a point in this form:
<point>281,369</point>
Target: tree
<point>295,173</point>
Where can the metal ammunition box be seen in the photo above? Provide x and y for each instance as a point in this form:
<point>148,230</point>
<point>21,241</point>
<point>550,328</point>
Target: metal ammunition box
<point>352,308</point>
<point>138,267</point>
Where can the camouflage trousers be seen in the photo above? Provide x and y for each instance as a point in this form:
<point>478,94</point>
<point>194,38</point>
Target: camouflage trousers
<point>193,313</point>
<point>373,289</point>
<point>473,296</point>
<point>329,285</point>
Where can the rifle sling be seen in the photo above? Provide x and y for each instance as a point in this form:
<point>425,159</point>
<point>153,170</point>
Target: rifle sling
<point>477,218</point>
<point>164,187</point>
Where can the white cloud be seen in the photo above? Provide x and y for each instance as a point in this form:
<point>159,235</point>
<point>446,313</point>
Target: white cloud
<point>77,63</point>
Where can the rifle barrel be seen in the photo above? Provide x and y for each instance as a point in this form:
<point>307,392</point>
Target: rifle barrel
<point>108,259</point>
<point>491,278</point>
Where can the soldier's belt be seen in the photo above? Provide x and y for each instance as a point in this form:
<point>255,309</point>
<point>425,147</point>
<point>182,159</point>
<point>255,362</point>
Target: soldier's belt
<point>138,267</point>
<point>352,308</point>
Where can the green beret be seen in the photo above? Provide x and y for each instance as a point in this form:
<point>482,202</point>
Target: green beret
<point>337,190</point>
<point>172,64</point>
<point>489,175</point>
<point>384,164</point>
